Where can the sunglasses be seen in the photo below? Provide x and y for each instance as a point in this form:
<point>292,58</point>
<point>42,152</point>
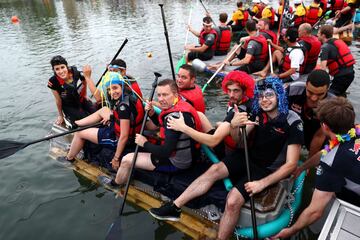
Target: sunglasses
<point>116,67</point>
<point>268,94</point>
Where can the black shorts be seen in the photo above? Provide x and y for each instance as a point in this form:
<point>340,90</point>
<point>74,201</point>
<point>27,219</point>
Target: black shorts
<point>340,84</point>
<point>343,20</point>
<point>76,113</point>
<point>204,56</point>
<point>251,68</point>
<point>163,164</point>
<point>236,166</point>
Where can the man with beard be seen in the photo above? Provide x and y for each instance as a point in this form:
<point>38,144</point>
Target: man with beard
<point>276,139</point>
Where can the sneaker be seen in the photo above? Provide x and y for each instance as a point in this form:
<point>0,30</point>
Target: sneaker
<point>108,182</point>
<point>168,211</point>
<point>64,160</point>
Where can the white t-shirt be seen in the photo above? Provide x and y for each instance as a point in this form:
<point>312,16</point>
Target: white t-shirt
<point>297,58</point>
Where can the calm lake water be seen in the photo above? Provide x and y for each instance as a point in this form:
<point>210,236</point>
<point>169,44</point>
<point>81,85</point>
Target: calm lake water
<point>38,198</point>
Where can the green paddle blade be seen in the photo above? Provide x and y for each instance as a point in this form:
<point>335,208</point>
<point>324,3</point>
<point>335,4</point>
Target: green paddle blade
<point>181,62</point>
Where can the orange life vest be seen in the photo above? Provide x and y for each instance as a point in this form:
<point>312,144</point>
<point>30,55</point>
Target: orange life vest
<point>224,40</point>
<point>135,120</point>
<point>203,35</point>
<point>195,97</point>
<point>263,56</point>
<point>344,57</point>
<point>312,54</point>
<point>312,15</point>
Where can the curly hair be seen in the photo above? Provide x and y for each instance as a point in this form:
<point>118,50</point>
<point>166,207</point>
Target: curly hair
<point>276,84</point>
<point>245,81</point>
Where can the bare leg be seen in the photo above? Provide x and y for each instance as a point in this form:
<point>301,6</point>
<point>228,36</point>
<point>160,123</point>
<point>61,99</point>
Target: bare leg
<point>94,118</point>
<point>202,184</point>
<point>234,202</point>
<point>276,57</point>
<point>143,161</point>
<point>79,139</point>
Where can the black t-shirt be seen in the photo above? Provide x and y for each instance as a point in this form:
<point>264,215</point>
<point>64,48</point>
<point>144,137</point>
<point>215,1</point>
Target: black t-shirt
<point>297,103</point>
<point>339,172</point>
<point>269,140</point>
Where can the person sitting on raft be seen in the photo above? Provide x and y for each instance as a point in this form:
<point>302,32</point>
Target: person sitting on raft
<point>70,101</point>
<point>338,171</point>
<point>276,139</point>
<point>208,38</point>
<point>119,66</point>
<point>224,36</point>
<point>188,90</point>
<point>304,99</point>
<point>253,54</point>
<point>289,60</point>
<point>177,151</point>
<point>238,18</point>
<point>122,121</point>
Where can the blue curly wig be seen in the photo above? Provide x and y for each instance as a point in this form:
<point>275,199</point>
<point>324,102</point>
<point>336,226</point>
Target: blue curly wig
<point>276,84</point>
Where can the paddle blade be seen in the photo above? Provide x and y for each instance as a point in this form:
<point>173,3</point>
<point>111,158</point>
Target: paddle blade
<point>181,62</point>
<point>8,148</point>
<point>115,232</point>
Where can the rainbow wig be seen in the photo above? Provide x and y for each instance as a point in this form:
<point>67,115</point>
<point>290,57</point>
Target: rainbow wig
<point>245,81</point>
<point>108,79</point>
<point>276,84</point>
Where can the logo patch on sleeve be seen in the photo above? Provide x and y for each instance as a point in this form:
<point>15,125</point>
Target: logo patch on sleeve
<point>300,127</point>
<point>356,148</point>
<point>319,170</point>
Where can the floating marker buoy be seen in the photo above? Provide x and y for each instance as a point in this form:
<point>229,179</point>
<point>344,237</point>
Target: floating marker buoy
<point>15,19</point>
<point>149,55</point>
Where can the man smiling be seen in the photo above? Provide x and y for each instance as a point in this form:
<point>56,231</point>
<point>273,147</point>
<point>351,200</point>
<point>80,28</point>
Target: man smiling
<point>275,150</point>
<point>177,150</point>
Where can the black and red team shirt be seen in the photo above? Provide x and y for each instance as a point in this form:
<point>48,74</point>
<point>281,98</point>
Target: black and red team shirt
<point>339,171</point>
<point>269,140</point>
<point>297,103</point>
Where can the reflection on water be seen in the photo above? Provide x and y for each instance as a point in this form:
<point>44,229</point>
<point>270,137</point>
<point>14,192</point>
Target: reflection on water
<point>85,32</point>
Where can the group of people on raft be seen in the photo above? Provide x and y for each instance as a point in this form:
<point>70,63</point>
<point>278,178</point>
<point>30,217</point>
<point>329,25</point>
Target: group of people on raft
<point>295,57</point>
<point>278,119</point>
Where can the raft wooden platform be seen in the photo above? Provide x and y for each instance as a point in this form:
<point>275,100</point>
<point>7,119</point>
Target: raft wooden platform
<point>190,224</point>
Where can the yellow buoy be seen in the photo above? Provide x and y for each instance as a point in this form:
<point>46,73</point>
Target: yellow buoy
<point>149,55</point>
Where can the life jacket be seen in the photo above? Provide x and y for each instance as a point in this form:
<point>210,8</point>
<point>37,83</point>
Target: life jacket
<point>243,21</point>
<point>71,96</point>
<point>261,8</point>
<point>224,39</point>
<point>298,20</point>
<point>272,18</point>
<point>344,57</point>
<point>338,5</point>
<point>280,10</point>
<point>203,35</point>
<point>323,5</point>
<point>312,46</point>
<point>312,15</point>
<point>195,97</point>
<point>286,62</point>
<point>134,85</point>
<point>183,142</point>
<point>268,34</point>
<point>263,56</point>
<point>135,119</point>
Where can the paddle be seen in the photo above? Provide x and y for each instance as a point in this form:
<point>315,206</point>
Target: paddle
<point>281,19</point>
<point>252,203</point>
<point>327,14</point>
<point>221,66</point>
<point>116,55</point>
<point>182,61</point>
<point>270,59</point>
<point>9,147</point>
<point>167,41</point>
<point>115,231</point>
<point>208,13</point>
